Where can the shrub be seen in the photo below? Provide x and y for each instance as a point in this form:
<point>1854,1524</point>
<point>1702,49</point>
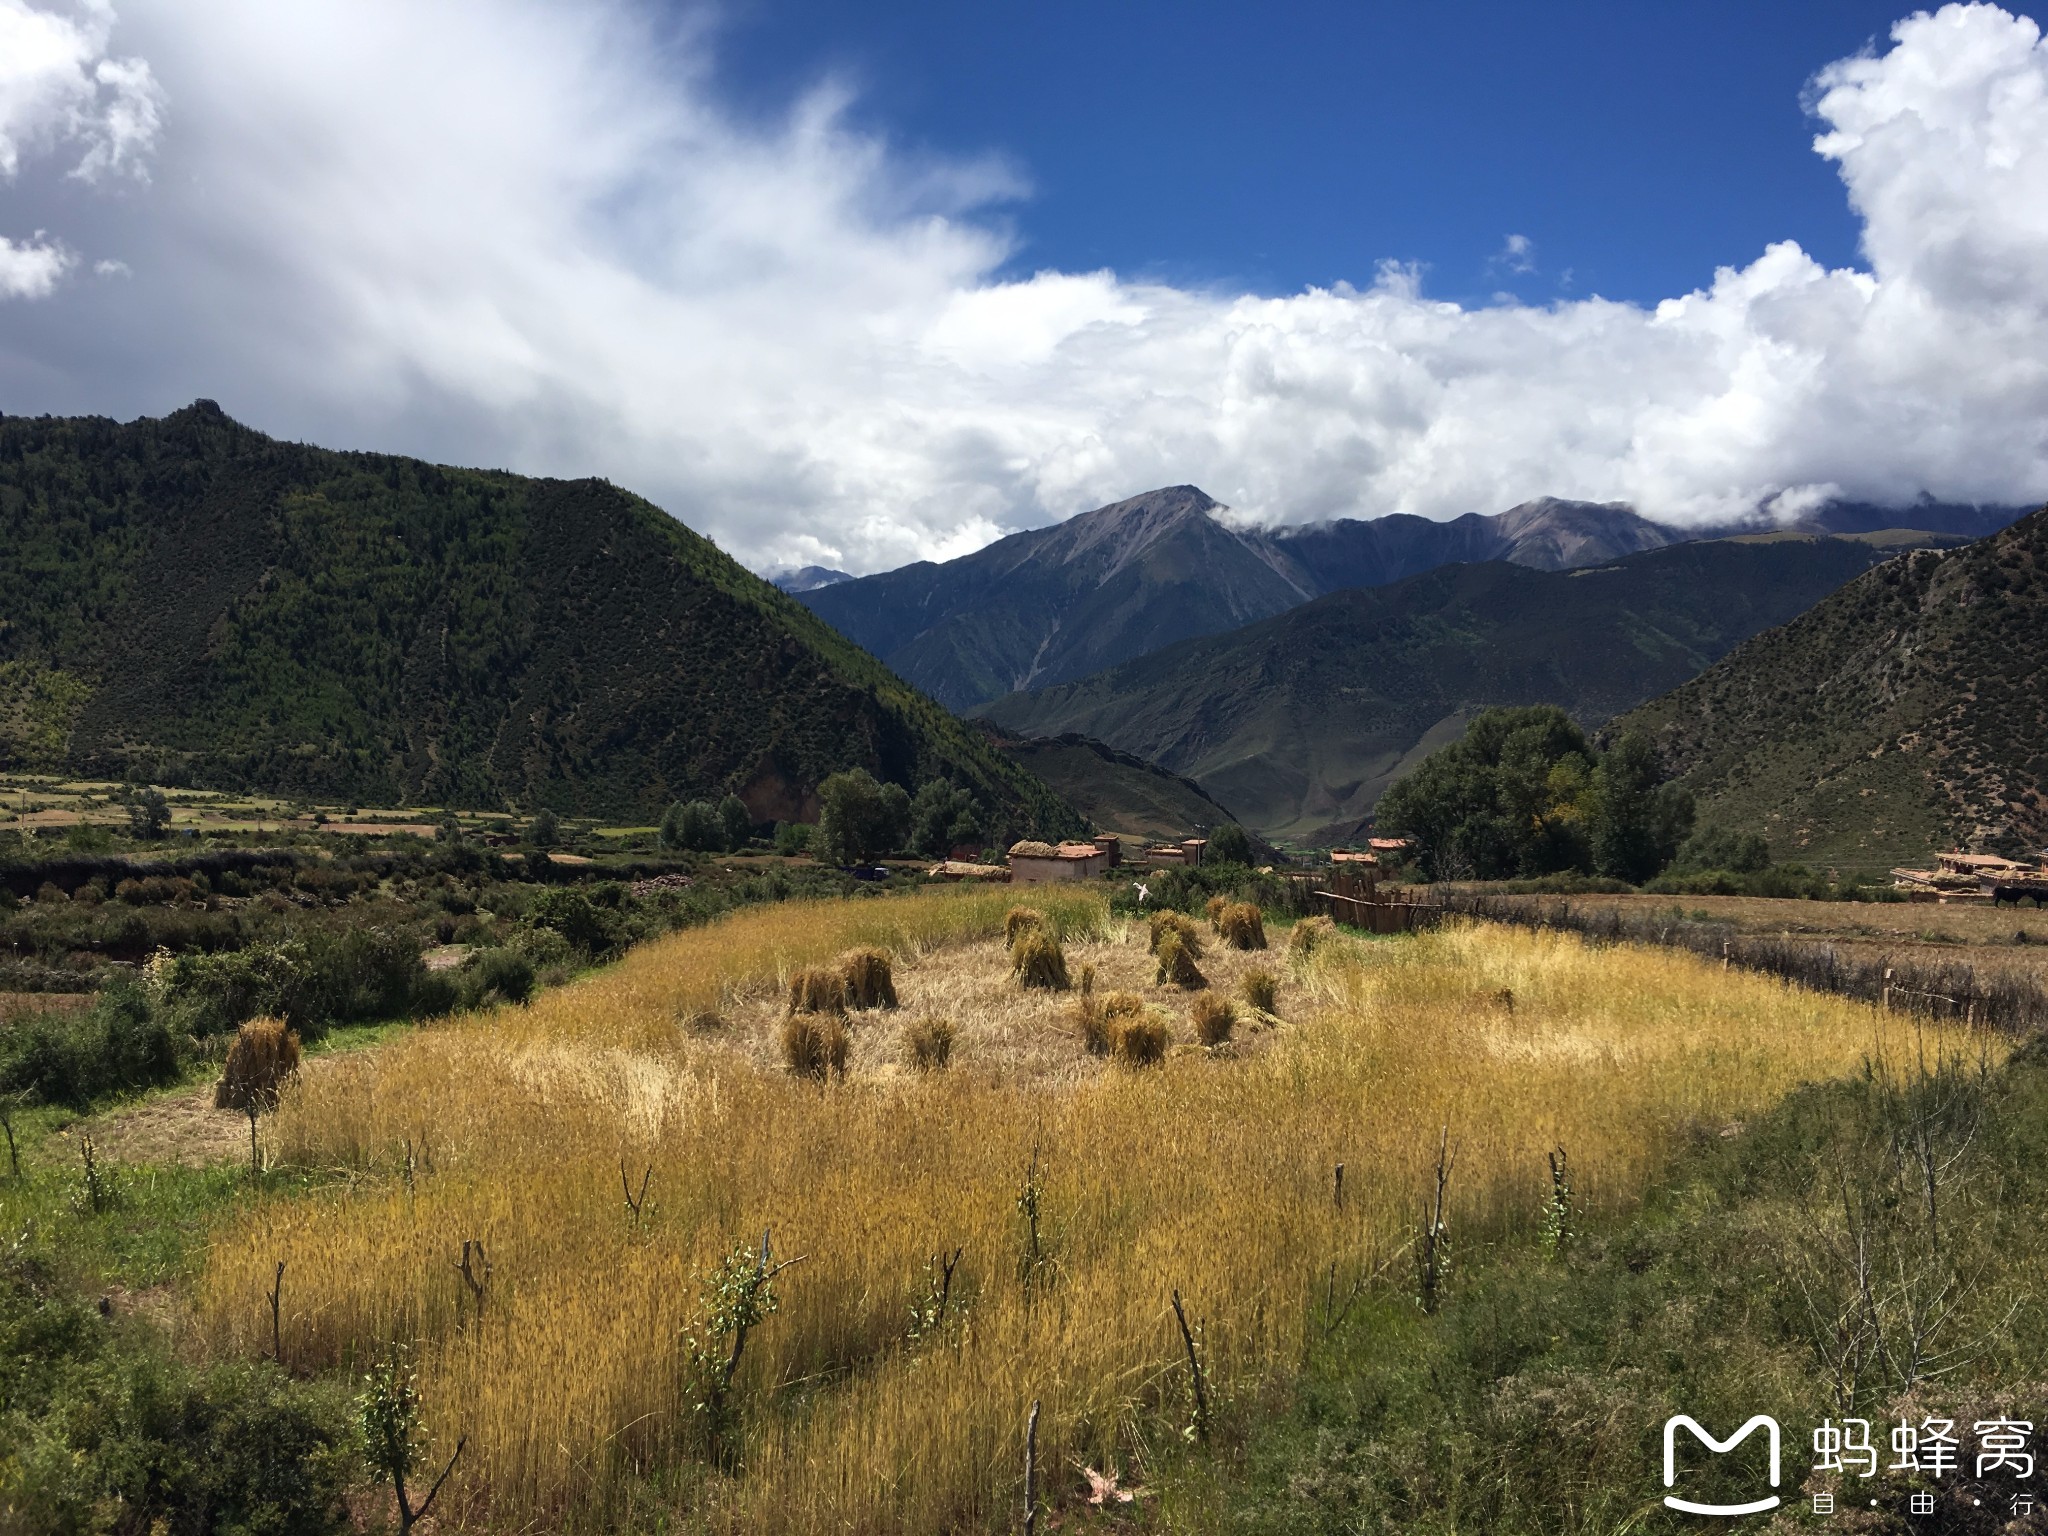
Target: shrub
<point>1140,1039</point>
<point>1213,1017</point>
<point>1214,907</point>
<point>815,1044</point>
<point>869,982</point>
<point>590,929</point>
<point>1230,844</point>
<point>817,989</point>
<point>497,975</point>
<point>1018,919</point>
<point>1039,961</point>
<point>1180,925</point>
<point>264,1054</point>
<point>1261,989</point>
<point>118,1045</point>
<point>1177,964</point>
<point>1242,926</point>
<point>436,995</point>
<point>1308,935</point>
<point>931,1043</point>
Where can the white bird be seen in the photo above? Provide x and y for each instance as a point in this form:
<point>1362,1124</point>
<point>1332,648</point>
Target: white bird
<point>1143,893</point>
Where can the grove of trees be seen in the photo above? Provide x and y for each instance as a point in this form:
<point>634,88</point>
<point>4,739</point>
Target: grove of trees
<point>1524,794</point>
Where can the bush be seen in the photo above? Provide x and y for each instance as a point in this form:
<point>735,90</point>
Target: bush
<point>589,929</point>
<point>1242,926</point>
<point>1309,935</point>
<point>1214,1018</point>
<point>930,1041</point>
<point>817,989</point>
<point>436,995</point>
<point>1180,926</point>
<point>1039,961</point>
<point>118,1045</point>
<point>264,1054</point>
<point>497,976</point>
<point>1018,919</point>
<point>1261,989</point>
<point>1140,1039</point>
<point>1177,964</point>
<point>815,1044</point>
<point>869,982</point>
<point>792,838</point>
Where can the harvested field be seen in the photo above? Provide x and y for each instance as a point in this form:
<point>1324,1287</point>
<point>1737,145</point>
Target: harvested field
<point>1081,1194</point>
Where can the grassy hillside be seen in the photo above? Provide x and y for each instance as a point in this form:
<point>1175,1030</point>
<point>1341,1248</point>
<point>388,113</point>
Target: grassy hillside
<point>1117,791</point>
<point>190,602</point>
<point>1298,722</point>
<point>1906,712</point>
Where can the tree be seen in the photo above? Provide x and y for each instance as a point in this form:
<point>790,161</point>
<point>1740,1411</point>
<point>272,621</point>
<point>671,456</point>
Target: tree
<point>1740,853</point>
<point>793,837</point>
<point>149,813</point>
<point>942,818</point>
<point>1230,844</point>
<point>448,829</point>
<point>670,833</point>
<point>735,823</point>
<point>860,819</point>
<point>389,1414</point>
<point>1523,794</point>
<point>693,826</point>
<point>1637,822</point>
<point>544,831</point>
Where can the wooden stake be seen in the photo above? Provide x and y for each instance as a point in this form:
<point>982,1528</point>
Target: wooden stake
<point>276,1331</point>
<point>1187,1339</point>
<point>1031,1471</point>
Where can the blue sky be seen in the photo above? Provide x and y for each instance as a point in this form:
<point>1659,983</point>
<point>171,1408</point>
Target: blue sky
<point>859,285</point>
<point>1271,147</point>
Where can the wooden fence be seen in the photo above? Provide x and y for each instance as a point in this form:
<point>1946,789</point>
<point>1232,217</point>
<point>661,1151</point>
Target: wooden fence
<point>1376,915</point>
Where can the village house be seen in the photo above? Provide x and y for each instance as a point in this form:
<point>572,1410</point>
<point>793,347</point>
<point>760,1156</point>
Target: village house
<point>1033,863</point>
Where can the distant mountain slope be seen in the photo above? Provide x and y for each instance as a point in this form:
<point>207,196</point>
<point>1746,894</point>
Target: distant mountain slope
<point>1907,711</point>
<point>807,578</point>
<point>188,601</point>
<point>1057,603</point>
<point>1299,721</point>
<point>1117,791</point>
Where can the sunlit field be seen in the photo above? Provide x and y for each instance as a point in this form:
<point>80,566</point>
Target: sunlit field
<point>1212,1173</point>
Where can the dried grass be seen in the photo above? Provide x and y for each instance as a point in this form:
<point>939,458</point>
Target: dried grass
<point>1214,908</point>
<point>818,989</point>
<point>1211,1176</point>
<point>1214,1017</point>
<point>1261,990</point>
<point>1017,919</point>
<point>1309,934</point>
<point>815,1044</point>
<point>930,1043</point>
<point>1176,963</point>
<point>1242,926</point>
<point>264,1054</point>
<point>1179,924</point>
<point>870,981</point>
<point>1038,961</point>
<point>1141,1041</point>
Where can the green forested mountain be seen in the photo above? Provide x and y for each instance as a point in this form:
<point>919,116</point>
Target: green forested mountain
<point>1299,721</point>
<point>1116,791</point>
<point>188,601</point>
<point>1906,712</point>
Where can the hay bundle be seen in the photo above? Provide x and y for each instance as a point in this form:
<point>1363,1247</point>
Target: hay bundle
<point>1039,961</point>
<point>815,1044</point>
<point>1177,923</point>
<point>817,989</point>
<point>1242,925</point>
<point>263,1055</point>
<point>1214,907</point>
<point>870,983</point>
<point>1140,1039</point>
<point>1100,1017</point>
<point>1213,1017</point>
<point>1018,919</point>
<point>1177,966</point>
<point>930,1041</point>
<point>1309,933</point>
<point>1261,989</point>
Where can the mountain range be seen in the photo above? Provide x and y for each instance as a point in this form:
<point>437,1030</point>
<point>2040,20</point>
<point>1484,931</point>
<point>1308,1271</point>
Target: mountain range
<point>187,601</point>
<point>1051,605</point>
<point>1904,712</point>
<point>1297,722</point>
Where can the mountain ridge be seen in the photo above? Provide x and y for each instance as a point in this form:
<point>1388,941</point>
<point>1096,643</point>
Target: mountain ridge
<point>187,600</point>
<point>1299,720</point>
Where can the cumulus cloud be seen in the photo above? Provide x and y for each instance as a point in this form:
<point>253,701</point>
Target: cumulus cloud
<point>31,269</point>
<point>60,88</point>
<point>509,232</point>
<point>1517,254</point>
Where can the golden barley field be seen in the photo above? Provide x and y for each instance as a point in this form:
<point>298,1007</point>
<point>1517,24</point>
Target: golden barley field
<point>1211,1173</point>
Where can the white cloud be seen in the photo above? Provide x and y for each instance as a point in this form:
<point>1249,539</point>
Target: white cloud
<point>58,86</point>
<point>31,269</point>
<point>510,232</point>
<point>1517,254</point>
